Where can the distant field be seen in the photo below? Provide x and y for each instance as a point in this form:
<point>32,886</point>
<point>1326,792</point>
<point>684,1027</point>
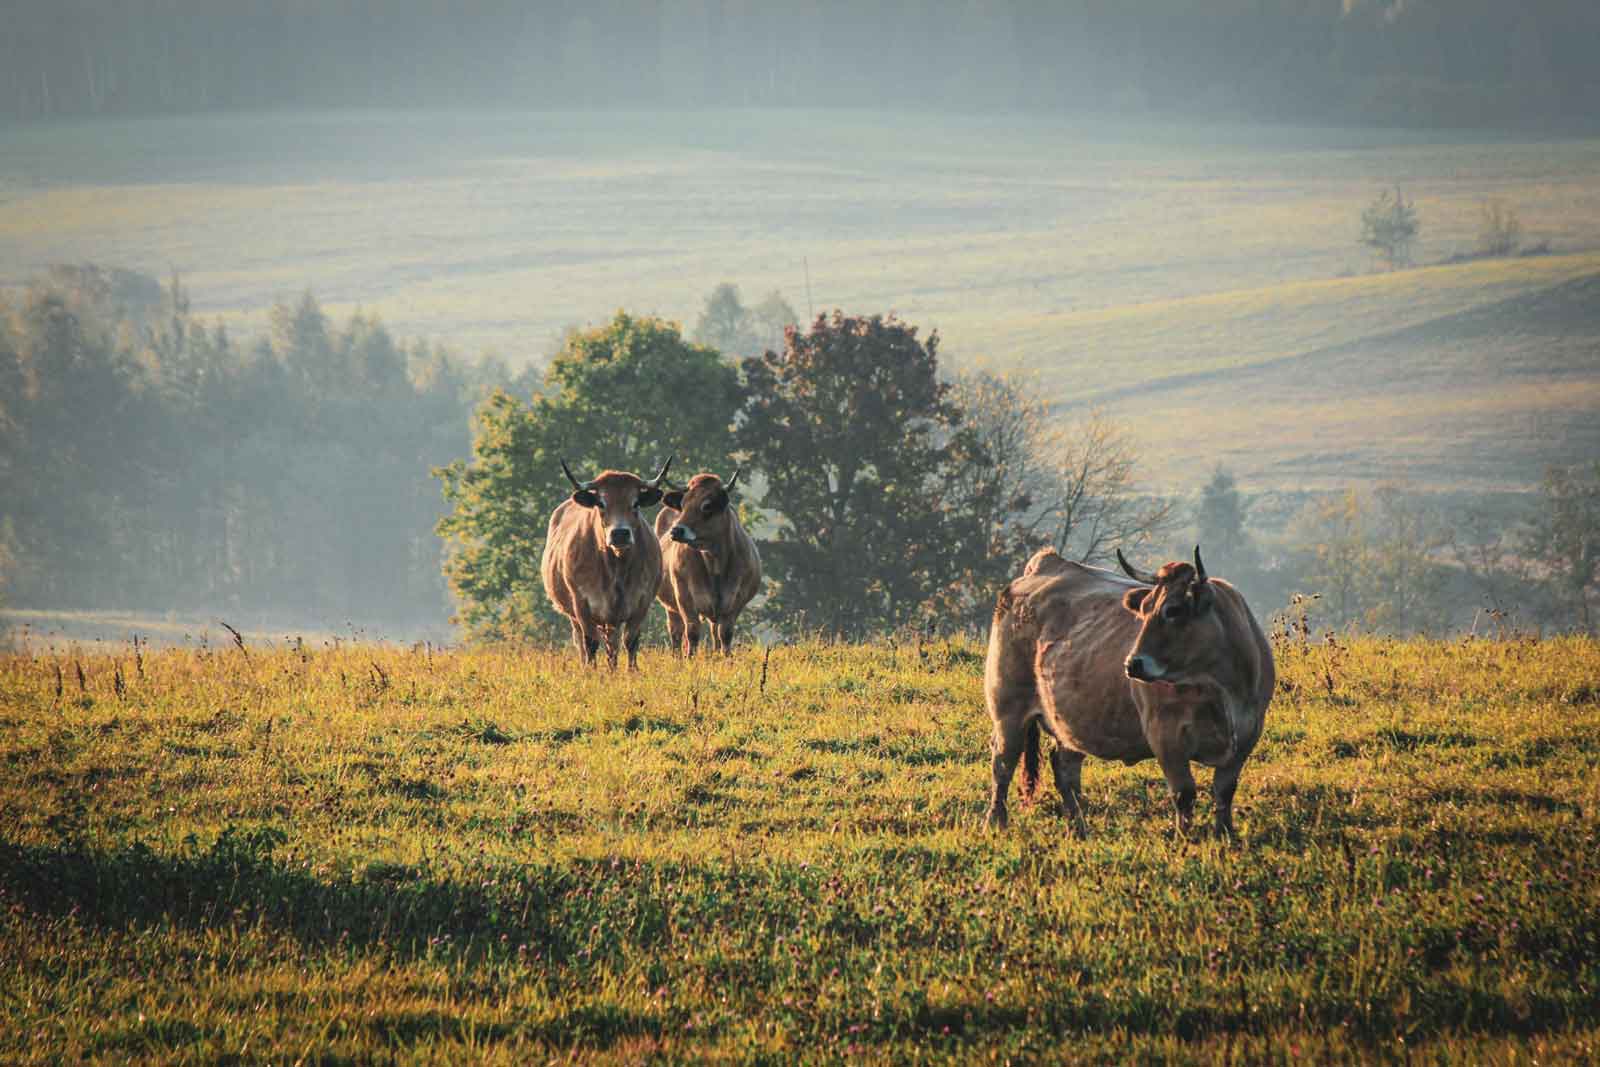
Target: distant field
<point>1105,257</point>
<point>57,631</point>
<point>369,854</point>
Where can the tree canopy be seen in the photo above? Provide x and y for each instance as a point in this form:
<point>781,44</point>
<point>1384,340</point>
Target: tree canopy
<point>863,453</point>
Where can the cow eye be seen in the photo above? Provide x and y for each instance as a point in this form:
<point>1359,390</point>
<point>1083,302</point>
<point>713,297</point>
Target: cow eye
<point>1173,611</point>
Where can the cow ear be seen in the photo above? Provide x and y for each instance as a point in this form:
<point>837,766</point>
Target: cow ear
<point>716,504</point>
<point>587,498</point>
<point>1133,600</point>
<point>649,496</point>
<point>674,500</point>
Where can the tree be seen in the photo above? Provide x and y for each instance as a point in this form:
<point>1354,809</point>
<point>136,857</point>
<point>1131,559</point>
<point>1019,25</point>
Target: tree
<point>1374,559</point>
<point>1091,500</point>
<point>1565,536</point>
<point>726,324</point>
<point>864,454</point>
<point>771,318</point>
<point>1389,225</point>
<point>1068,484</point>
<point>1499,229</point>
<point>625,395</point>
<point>1220,519</point>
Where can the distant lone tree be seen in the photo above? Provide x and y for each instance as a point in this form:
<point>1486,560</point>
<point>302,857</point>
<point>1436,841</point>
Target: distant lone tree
<point>1389,226</point>
<point>726,324</point>
<point>1499,229</point>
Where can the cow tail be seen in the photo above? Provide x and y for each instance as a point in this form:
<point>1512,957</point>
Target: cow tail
<point>1030,761</point>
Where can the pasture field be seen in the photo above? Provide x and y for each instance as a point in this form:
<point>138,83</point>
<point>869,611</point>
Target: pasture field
<point>1127,264</point>
<point>371,854</point>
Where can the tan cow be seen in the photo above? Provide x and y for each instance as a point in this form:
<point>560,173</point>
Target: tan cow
<point>711,567</point>
<point>1170,665</point>
<point>601,564</point>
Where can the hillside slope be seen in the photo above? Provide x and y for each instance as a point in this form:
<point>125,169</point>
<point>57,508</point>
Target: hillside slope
<point>1485,396</point>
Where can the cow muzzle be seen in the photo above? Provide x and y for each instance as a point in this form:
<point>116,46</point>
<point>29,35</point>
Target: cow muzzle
<point>1142,668</point>
<point>621,537</point>
<point>682,534</point>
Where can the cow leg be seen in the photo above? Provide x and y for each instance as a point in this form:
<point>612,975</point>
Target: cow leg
<point>1068,768</point>
<point>675,633</point>
<point>587,637</point>
<point>1006,747</point>
<point>691,634</point>
<point>1223,784</point>
<point>612,636</point>
<point>630,638</point>
<point>1174,762</point>
<point>724,629</point>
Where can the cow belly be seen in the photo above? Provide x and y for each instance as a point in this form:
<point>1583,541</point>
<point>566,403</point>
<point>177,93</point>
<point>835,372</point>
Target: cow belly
<point>1089,711</point>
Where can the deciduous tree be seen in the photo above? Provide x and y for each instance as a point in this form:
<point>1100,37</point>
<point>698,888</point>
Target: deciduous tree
<point>625,395</point>
<point>851,426</point>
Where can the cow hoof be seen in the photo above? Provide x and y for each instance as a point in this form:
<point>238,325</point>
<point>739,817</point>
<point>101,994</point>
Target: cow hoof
<point>996,819</point>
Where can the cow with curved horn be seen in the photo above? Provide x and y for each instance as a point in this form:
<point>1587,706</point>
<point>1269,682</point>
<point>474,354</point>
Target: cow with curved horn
<point>601,563</point>
<point>711,569</point>
<point>1170,665</point>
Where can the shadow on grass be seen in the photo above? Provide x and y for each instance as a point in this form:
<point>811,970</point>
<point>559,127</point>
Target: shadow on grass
<point>235,880</point>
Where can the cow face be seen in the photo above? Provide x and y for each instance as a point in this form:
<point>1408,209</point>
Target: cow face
<point>1178,637</point>
<point>617,496</point>
<point>703,511</point>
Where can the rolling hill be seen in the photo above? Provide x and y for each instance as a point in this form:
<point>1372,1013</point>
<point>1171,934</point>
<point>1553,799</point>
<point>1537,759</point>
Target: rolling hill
<point>1435,378</point>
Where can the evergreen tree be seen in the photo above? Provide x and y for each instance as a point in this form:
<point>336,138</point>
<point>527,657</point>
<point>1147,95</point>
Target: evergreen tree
<point>1220,525</point>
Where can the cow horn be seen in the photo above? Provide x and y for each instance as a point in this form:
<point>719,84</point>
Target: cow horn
<point>1131,572</point>
<point>735,479</point>
<point>1199,566</point>
<point>655,483</point>
<point>575,483</point>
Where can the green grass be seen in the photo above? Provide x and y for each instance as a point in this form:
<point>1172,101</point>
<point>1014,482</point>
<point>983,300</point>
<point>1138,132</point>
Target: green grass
<point>371,854</point>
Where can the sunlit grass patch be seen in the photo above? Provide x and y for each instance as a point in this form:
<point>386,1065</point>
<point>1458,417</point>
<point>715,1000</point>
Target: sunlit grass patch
<point>365,851</point>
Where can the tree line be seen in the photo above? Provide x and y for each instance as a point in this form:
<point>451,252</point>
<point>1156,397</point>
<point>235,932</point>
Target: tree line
<point>147,460</point>
<point>1421,62</point>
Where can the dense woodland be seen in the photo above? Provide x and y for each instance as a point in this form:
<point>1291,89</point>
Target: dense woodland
<point>1413,62</point>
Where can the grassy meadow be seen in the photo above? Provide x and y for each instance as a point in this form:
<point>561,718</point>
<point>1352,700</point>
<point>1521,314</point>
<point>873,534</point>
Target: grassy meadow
<point>357,853</point>
<point>1118,261</point>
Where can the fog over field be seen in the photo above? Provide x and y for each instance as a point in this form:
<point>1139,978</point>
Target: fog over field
<point>1103,256</point>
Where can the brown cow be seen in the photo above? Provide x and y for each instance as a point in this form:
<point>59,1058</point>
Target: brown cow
<point>1170,665</point>
<point>711,567</point>
<point>601,565</point>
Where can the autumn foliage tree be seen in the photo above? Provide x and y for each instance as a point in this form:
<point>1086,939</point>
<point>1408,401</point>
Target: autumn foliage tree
<point>866,463</point>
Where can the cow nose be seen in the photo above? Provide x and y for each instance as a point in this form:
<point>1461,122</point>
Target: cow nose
<point>1136,668</point>
<point>681,533</point>
<point>621,536</point>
